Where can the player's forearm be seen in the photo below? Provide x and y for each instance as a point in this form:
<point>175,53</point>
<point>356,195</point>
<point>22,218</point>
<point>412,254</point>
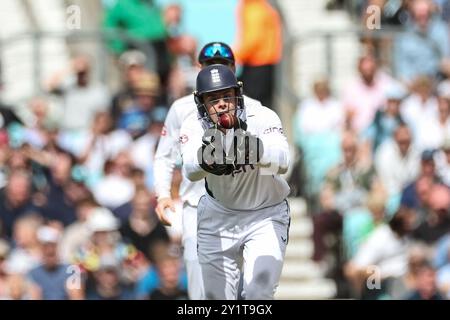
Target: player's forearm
<point>275,158</point>
<point>163,170</point>
<point>164,164</point>
<point>194,172</point>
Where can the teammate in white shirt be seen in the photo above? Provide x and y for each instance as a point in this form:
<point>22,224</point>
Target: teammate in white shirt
<point>244,216</point>
<point>165,159</point>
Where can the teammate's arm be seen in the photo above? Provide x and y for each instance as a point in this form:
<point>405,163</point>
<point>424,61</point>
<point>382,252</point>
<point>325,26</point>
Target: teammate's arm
<point>165,158</point>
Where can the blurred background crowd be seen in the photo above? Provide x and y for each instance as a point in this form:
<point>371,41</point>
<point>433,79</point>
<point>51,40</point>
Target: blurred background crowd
<point>371,150</point>
<point>376,155</point>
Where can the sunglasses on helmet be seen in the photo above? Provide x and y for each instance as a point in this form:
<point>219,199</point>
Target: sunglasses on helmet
<point>216,50</point>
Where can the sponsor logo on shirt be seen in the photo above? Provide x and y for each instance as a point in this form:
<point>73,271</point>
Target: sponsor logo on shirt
<point>273,129</point>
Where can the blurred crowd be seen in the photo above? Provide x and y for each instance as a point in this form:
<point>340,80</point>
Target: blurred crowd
<point>376,161</point>
<point>77,203</point>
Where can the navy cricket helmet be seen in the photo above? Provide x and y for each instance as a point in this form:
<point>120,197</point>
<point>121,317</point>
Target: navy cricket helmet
<point>216,77</point>
<point>216,51</point>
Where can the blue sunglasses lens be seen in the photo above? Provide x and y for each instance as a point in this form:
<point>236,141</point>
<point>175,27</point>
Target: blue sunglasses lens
<point>217,51</point>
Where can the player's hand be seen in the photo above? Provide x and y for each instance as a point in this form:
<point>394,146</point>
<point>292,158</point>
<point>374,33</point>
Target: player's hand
<point>162,205</point>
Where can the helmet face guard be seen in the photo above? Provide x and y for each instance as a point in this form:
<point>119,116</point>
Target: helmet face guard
<point>217,78</point>
<point>205,115</point>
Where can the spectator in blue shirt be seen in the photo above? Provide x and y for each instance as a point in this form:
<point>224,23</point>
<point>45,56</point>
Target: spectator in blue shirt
<point>424,46</point>
<point>52,280</point>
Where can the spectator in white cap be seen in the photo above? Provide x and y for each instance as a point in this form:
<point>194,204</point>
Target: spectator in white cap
<point>105,239</point>
<point>77,233</point>
<point>52,279</point>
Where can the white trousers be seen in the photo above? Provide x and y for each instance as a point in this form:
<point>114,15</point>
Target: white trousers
<point>193,269</point>
<point>257,238</point>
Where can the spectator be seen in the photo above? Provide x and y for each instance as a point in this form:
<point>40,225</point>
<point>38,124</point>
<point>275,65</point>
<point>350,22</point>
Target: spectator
<point>386,248</point>
<point>315,138</point>
<point>327,224</point>
<point>116,187</point>
<point>105,240</point>
<point>132,63</point>
<point>50,280</point>
<point>359,223</point>
<point>321,106</point>
<point>418,255</point>
<point>442,158</point>
<point>76,233</point>
<point>424,46</point>
<point>184,67</point>
<point>366,94</point>
<point>27,251</point>
<point>433,128</point>
<point>5,152</point>
<point>82,97</point>
<point>37,132</point>
<point>95,146</point>
<point>108,284</point>
<point>135,116</point>
<point>143,227</point>
<point>15,201</point>
<point>259,48</point>
<point>397,161</point>
<point>143,149</point>
<point>169,268</point>
<point>346,187</point>
<point>387,118</point>
<point>58,206</point>
<point>415,195</point>
<point>144,23</point>
<point>426,288</point>
<point>17,286</point>
<point>443,274</point>
<point>352,179</point>
<point>151,281</point>
<point>4,251</point>
<point>437,220</point>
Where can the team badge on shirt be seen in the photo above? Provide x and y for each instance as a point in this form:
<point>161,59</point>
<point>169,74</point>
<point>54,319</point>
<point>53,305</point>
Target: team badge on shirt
<point>183,139</point>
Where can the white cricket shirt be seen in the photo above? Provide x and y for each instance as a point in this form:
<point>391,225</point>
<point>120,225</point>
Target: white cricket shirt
<point>255,188</point>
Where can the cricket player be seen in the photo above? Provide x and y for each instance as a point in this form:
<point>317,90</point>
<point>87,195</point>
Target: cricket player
<point>244,215</point>
<point>166,156</point>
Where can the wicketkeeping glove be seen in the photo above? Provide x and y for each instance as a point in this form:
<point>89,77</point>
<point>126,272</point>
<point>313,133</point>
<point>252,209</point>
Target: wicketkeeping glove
<point>248,148</point>
<point>212,158</point>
